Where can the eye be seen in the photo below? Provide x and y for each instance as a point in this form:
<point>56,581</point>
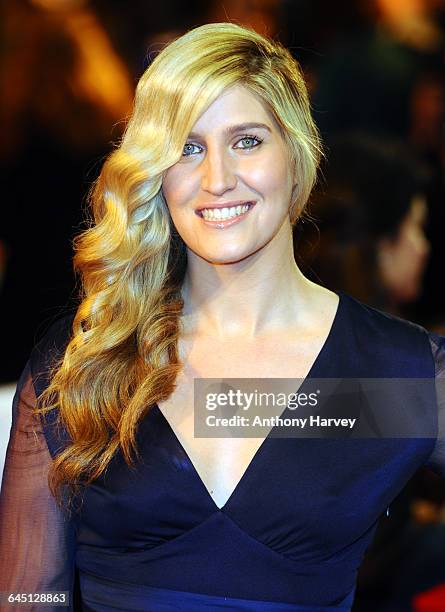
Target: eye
<point>250,138</point>
<point>187,153</point>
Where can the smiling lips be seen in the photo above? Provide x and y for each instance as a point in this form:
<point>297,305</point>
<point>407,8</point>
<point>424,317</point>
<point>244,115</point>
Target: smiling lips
<point>225,212</point>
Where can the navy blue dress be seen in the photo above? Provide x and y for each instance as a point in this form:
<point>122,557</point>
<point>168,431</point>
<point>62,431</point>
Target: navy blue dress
<point>292,535</point>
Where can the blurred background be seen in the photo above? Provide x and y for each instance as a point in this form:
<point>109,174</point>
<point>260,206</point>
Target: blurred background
<point>375,72</point>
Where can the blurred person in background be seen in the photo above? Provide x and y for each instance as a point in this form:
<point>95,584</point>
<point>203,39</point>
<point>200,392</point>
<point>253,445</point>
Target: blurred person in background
<point>377,66</point>
<point>372,212</point>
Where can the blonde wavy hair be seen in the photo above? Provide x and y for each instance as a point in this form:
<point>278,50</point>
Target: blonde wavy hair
<point>122,357</point>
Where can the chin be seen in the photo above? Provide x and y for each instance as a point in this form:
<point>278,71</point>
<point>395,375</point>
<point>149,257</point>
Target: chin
<point>222,261</point>
<point>224,258</point>
<point>408,294</point>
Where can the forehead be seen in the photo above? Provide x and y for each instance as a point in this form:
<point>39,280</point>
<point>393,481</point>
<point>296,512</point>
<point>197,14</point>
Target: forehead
<point>236,105</point>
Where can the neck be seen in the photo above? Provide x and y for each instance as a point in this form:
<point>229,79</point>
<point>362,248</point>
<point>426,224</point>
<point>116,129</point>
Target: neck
<point>250,298</point>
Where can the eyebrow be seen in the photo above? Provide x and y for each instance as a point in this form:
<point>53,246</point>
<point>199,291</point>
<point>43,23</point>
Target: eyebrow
<point>232,129</point>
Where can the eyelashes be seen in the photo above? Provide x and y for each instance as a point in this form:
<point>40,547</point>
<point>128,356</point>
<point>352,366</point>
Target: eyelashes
<point>245,137</point>
<point>250,137</point>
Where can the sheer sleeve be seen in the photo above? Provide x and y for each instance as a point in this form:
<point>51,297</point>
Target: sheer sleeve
<point>37,540</point>
<point>436,460</point>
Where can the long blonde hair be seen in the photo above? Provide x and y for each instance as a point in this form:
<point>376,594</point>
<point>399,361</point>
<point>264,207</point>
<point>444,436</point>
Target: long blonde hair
<point>122,357</point>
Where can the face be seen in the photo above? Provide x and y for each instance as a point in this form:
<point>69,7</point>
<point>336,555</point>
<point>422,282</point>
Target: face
<point>403,259</point>
<point>230,192</point>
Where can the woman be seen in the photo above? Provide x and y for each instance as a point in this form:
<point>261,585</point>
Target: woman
<point>373,211</point>
<point>177,289</point>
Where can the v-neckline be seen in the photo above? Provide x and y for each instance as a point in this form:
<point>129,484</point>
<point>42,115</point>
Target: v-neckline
<point>262,447</point>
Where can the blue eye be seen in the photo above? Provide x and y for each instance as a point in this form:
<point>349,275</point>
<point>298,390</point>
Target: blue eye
<point>248,137</point>
<point>188,144</point>
<point>251,138</point>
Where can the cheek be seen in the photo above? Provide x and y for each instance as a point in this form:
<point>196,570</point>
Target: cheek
<point>270,176</point>
<point>175,188</point>
<point>413,244</point>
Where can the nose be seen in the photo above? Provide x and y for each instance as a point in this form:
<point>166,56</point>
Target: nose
<point>218,172</point>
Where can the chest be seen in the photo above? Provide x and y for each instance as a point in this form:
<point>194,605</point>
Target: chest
<point>305,499</point>
<point>221,462</point>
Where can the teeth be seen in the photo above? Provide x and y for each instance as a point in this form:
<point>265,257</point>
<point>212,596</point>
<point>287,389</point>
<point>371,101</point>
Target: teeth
<point>212,214</point>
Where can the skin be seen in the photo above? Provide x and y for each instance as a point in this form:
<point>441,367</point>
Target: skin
<point>248,310</point>
<point>251,263</point>
<point>403,259</point>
